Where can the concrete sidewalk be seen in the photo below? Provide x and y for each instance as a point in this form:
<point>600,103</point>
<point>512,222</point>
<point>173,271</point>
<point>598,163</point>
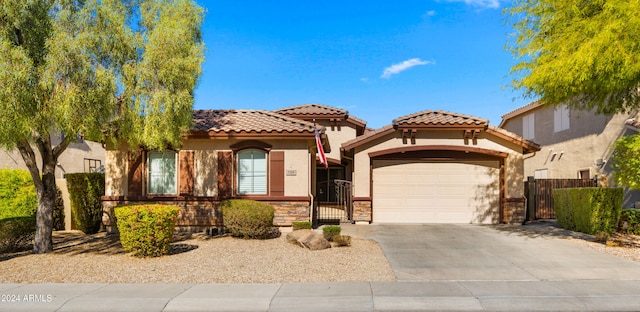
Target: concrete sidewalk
<point>586,295</point>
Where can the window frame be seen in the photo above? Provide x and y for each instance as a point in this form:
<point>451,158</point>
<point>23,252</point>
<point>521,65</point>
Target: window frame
<point>238,172</point>
<point>149,172</point>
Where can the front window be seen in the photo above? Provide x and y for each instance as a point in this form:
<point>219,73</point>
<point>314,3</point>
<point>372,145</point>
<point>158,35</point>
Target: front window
<point>162,172</point>
<point>252,172</point>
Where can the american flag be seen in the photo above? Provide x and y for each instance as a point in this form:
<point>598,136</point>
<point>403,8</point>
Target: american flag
<point>321,155</point>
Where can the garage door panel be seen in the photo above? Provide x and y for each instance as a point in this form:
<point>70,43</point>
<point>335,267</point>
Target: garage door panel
<point>406,191</point>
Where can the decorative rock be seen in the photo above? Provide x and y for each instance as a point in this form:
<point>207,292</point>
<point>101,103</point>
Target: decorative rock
<point>308,239</point>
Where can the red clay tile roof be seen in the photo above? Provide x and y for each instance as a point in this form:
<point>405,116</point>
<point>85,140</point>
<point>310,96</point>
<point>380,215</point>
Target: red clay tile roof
<point>633,122</point>
<point>319,111</point>
<point>225,122</point>
<point>439,118</point>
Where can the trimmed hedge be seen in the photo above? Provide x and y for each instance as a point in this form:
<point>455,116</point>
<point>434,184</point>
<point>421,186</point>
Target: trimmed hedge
<point>248,218</point>
<point>630,221</point>
<point>146,230</point>
<point>301,225</point>
<point>58,211</point>
<point>589,210</point>
<point>331,231</point>
<point>85,192</point>
<point>16,234</point>
<point>17,194</point>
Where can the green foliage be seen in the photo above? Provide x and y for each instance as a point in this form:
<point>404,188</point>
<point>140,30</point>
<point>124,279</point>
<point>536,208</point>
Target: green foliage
<point>589,210</point>
<point>626,161</point>
<point>330,232</point>
<point>301,225</point>
<point>146,230</point>
<point>58,212</point>
<point>89,66</point>
<point>630,221</point>
<point>85,192</point>
<point>115,71</point>
<point>583,53</point>
<point>248,218</point>
<point>17,194</point>
<point>342,240</point>
<point>16,234</point>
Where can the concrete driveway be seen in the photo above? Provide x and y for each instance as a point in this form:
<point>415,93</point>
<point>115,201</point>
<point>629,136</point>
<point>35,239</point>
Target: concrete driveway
<point>485,253</point>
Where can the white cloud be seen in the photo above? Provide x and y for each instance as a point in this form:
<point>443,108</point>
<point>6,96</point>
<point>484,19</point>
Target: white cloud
<point>397,68</point>
<point>429,13</point>
<point>492,4</point>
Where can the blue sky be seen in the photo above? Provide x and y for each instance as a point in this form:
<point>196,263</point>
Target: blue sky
<point>377,59</point>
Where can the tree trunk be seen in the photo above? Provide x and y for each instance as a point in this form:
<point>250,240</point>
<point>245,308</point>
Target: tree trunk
<point>43,241</point>
<point>45,184</point>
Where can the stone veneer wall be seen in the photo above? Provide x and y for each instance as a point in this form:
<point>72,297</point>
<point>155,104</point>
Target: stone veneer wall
<point>514,212</point>
<point>196,214</point>
<point>362,211</point>
<point>288,212</point>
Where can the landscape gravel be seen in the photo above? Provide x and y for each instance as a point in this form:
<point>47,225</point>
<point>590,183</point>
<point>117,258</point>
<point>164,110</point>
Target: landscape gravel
<point>99,258</point>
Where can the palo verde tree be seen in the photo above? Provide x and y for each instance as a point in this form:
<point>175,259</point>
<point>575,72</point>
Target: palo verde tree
<point>585,54</point>
<point>111,70</point>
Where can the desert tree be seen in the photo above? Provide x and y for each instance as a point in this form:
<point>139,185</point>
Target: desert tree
<point>111,70</point>
<point>584,54</point>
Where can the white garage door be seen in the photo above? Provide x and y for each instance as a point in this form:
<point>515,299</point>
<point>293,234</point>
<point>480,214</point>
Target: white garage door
<point>406,191</point>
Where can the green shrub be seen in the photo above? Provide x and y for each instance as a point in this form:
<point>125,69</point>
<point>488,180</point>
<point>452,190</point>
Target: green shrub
<point>58,212</point>
<point>248,218</point>
<point>301,225</point>
<point>630,221</point>
<point>17,194</point>
<point>85,193</point>
<point>146,230</point>
<point>16,234</point>
<point>330,231</point>
<point>342,240</point>
<point>589,210</point>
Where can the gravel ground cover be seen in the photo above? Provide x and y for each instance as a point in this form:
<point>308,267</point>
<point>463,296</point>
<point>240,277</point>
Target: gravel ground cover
<point>99,258</point>
<point>620,245</point>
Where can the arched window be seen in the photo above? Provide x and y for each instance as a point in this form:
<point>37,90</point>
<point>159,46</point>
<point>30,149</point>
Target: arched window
<point>252,172</point>
<point>162,172</point>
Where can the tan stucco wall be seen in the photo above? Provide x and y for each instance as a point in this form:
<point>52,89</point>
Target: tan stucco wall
<point>590,137</point>
<point>513,163</point>
<point>337,136</point>
<point>296,161</point>
<point>115,171</point>
<point>71,160</point>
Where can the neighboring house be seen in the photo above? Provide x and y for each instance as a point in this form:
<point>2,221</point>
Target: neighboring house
<point>430,167</point>
<point>80,156</point>
<point>575,144</point>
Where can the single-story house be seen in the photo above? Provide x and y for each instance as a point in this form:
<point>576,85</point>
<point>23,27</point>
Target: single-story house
<point>429,167</point>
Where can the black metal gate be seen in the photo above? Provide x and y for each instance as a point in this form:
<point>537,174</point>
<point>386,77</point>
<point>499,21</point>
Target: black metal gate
<point>337,207</point>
